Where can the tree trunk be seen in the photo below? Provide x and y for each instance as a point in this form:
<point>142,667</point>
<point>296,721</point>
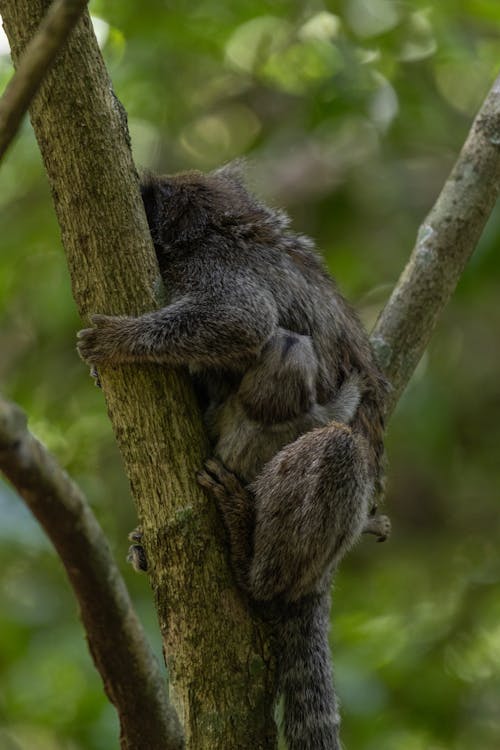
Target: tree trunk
<point>219,658</point>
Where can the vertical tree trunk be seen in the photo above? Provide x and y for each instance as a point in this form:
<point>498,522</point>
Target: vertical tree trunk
<point>218,657</point>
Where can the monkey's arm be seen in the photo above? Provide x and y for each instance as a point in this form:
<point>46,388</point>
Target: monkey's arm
<point>206,332</point>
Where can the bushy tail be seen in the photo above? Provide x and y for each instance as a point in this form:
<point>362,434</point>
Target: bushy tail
<point>310,711</point>
<point>311,503</point>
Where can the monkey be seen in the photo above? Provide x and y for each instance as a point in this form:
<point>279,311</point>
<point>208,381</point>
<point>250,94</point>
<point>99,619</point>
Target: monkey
<point>273,405</point>
<point>238,280</point>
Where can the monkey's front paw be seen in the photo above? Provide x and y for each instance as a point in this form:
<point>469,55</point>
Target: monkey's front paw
<point>103,342</point>
<point>136,554</point>
<point>380,526</point>
<point>218,480</point>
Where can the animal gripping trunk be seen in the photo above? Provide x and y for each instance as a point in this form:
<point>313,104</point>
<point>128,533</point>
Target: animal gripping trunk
<point>310,708</point>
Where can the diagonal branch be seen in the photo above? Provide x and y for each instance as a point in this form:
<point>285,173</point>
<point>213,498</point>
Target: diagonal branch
<point>444,244</point>
<point>116,640</point>
<point>39,55</point>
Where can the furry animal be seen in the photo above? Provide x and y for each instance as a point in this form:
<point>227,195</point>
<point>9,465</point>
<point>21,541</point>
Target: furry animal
<point>246,295</point>
<point>274,404</point>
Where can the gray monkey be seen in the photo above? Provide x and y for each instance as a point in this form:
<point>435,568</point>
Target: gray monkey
<point>274,404</point>
<point>239,283</point>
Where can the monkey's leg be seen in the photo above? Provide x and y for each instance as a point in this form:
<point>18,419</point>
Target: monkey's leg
<point>237,507</point>
<point>311,504</point>
<point>378,525</point>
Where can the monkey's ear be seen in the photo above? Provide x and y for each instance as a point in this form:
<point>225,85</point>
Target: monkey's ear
<point>234,172</point>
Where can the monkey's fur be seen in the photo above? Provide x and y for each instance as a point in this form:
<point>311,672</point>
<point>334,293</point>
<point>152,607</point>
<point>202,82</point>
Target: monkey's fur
<point>274,404</point>
<point>244,292</point>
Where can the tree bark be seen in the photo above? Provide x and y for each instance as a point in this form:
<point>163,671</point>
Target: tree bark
<point>218,655</point>
<point>39,55</point>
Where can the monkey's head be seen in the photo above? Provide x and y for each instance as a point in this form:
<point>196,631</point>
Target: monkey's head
<point>182,208</point>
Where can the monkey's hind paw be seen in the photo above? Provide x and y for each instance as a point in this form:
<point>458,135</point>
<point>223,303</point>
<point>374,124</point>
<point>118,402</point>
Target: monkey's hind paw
<point>218,480</point>
<point>136,555</point>
<point>136,535</point>
<point>380,526</point>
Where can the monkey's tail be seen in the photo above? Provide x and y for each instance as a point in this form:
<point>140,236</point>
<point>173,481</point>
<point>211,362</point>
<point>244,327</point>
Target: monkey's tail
<point>305,680</point>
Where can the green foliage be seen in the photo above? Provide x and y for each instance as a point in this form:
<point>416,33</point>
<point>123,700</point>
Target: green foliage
<point>351,113</point>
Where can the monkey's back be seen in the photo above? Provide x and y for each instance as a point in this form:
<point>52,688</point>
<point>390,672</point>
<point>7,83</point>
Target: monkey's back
<point>309,303</point>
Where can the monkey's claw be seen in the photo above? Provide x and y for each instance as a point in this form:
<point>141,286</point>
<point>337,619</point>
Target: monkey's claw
<point>208,482</point>
<point>136,535</point>
<point>218,480</point>
<point>136,555</point>
<point>137,558</point>
<point>94,374</point>
<point>380,526</point>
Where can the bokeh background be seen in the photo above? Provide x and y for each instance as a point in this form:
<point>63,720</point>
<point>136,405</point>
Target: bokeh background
<point>351,114</point>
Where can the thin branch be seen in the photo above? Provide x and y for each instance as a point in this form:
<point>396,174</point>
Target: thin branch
<point>116,640</point>
<point>39,55</point>
<point>445,242</point>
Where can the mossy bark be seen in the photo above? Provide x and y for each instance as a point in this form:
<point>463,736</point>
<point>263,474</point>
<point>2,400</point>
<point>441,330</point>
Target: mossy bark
<point>218,656</point>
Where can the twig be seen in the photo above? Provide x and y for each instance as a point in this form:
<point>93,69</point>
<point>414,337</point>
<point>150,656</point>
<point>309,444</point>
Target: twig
<point>445,242</point>
<point>116,640</point>
<point>38,56</point>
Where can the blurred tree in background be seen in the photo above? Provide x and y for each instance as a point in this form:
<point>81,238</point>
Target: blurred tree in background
<point>351,114</point>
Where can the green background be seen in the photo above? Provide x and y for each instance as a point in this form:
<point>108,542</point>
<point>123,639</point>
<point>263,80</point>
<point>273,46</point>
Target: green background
<point>351,114</point>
